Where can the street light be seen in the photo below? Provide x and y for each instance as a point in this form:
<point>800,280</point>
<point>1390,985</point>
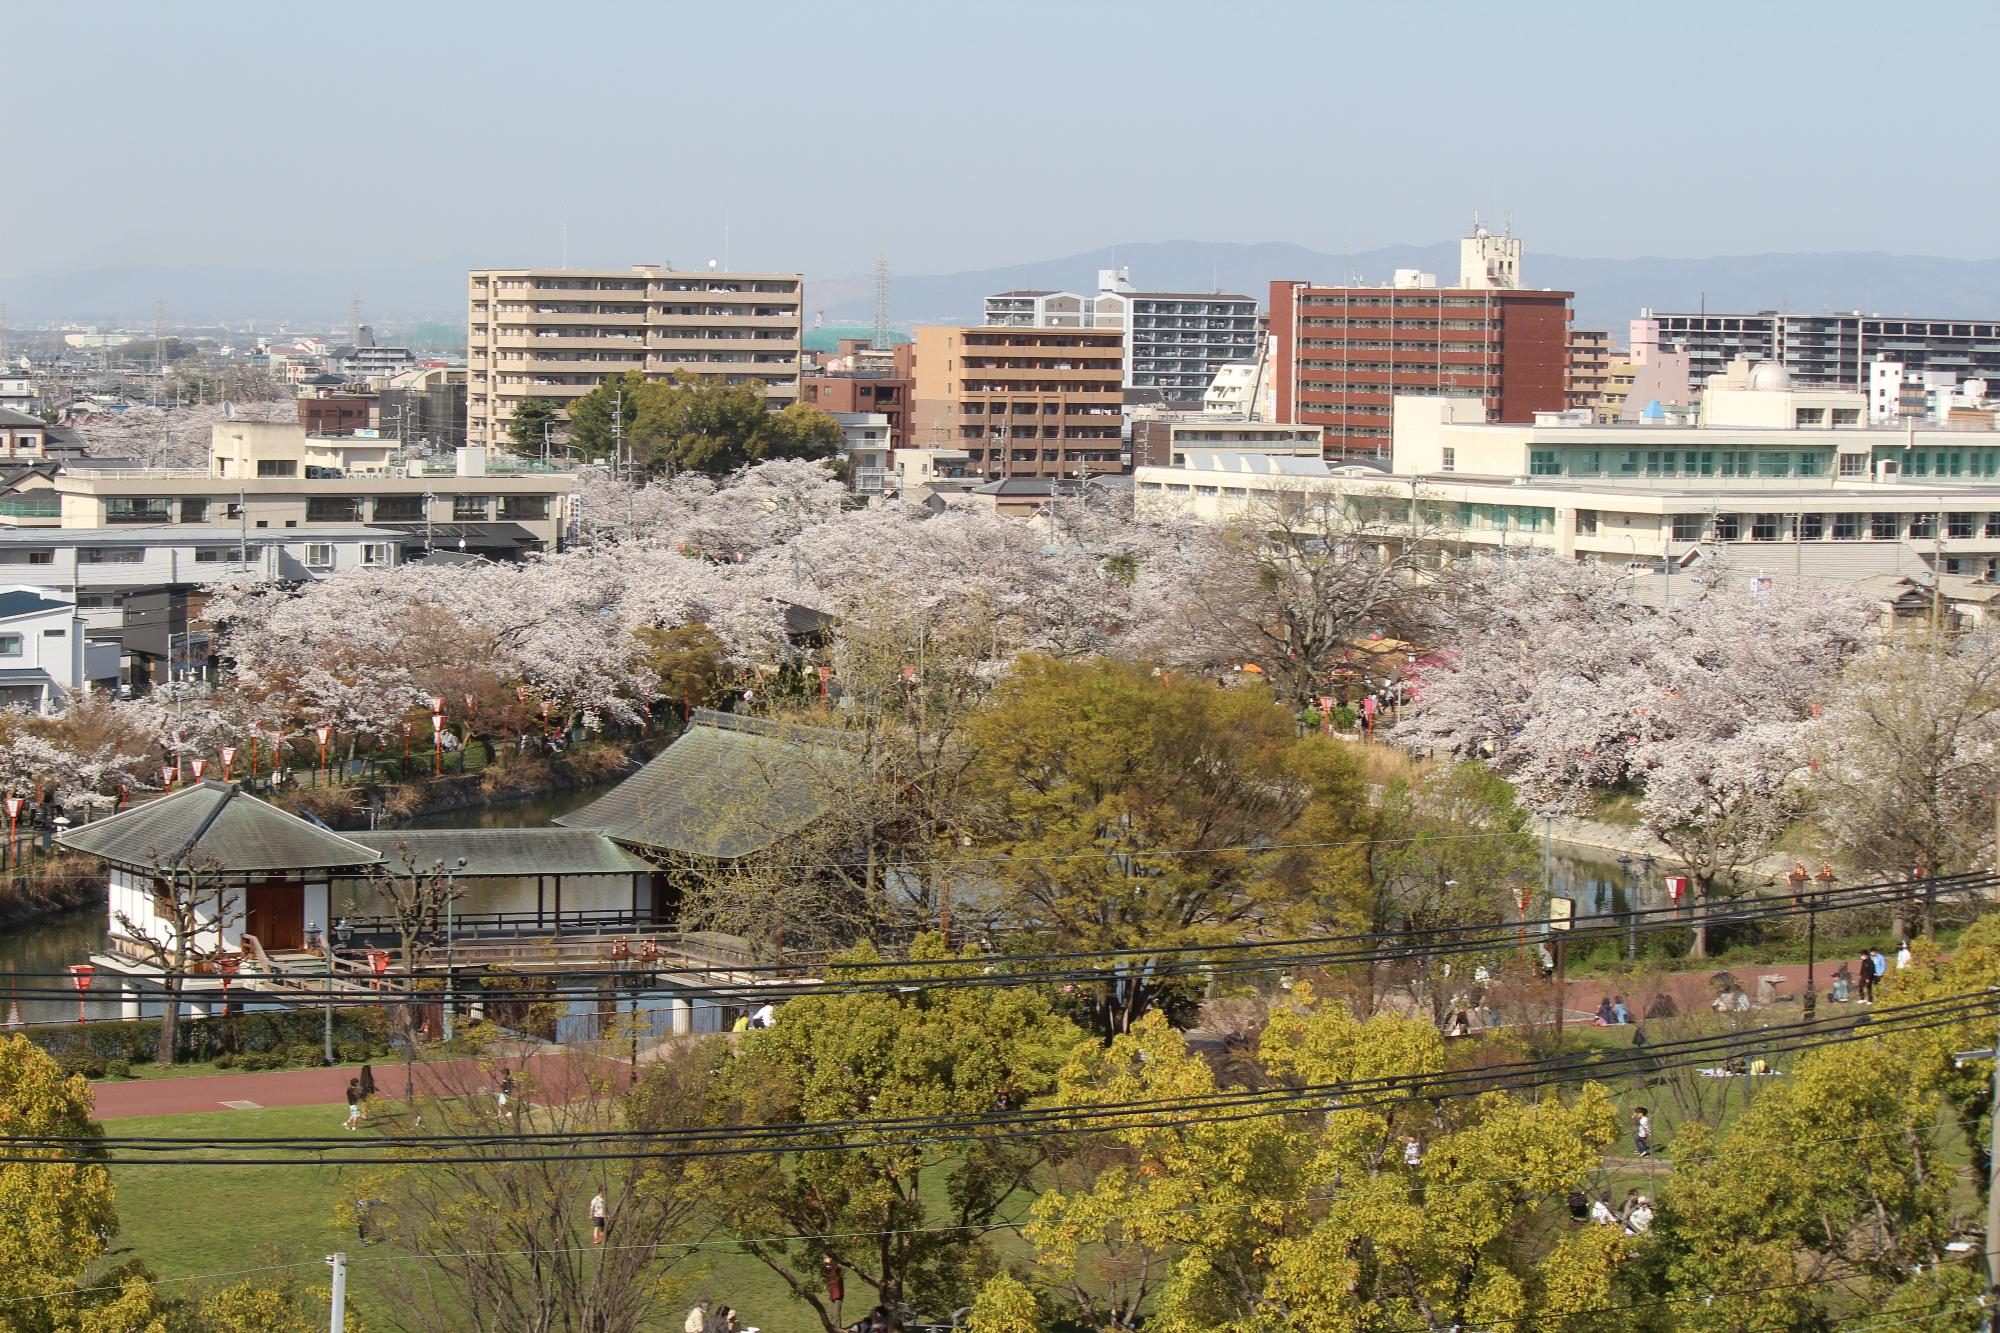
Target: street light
<point>457,868</point>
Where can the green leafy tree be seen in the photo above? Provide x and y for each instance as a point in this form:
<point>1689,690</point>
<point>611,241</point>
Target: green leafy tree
<point>1451,847</point>
<point>55,1211</point>
<point>1121,810</point>
<point>897,1214</point>
<point>1320,1221</point>
<point>1005,1305</point>
<point>694,424</point>
<point>535,422</point>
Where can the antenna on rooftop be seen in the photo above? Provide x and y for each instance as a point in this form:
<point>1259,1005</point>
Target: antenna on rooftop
<point>881,340</point>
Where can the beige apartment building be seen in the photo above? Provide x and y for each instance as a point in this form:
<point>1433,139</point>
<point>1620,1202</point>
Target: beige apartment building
<point>1038,402</point>
<point>1587,373</point>
<point>558,333</point>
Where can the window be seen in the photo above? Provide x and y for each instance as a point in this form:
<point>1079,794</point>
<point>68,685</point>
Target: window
<point>111,555</point>
<point>1687,527</point>
<point>1958,525</point>
<point>1544,463</point>
<point>524,506</point>
<point>1846,527</point>
<point>332,509</point>
<point>210,555</point>
<point>1884,527</point>
<point>319,555</point>
<point>1809,465</point>
<point>1774,463</point>
<point>378,553</point>
<point>1923,526</point>
<point>136,509</point>
<point>194,511</point>
<point>1763,527</point>
<point>1812,527</point>
<point>468,508</point>
<point>40,557</point>
<point>399,509</point>
<point>1449,458</point>
<point>1583,462</point>
<point>1728,527</point>
<point>267,467</point>
<point>1627,462</point>
<point>10,645</point>
<point>1586,522</point>
<point>1854,465</point>
<point>1993,525</point>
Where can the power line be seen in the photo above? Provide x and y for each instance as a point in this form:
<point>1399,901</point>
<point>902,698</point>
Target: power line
<point>1234,1105</point>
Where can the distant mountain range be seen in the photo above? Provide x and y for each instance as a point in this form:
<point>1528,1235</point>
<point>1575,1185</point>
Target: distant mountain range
<point>1608,291</point>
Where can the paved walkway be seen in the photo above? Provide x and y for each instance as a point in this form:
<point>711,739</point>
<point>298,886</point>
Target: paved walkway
<point>220,1092</point>
<point>554,1076</point>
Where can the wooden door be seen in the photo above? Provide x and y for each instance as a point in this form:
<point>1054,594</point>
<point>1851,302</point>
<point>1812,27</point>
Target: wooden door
<point>276,915</point>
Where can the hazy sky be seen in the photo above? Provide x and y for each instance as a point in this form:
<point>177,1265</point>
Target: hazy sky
<point>953,136</point>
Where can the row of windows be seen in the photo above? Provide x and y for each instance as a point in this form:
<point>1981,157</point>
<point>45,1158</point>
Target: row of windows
<point>323,509</point>
<point>1773,463</point>
<point>1834,527</point>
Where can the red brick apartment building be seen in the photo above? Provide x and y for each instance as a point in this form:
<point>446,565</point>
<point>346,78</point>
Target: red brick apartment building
<point>1344,353</point>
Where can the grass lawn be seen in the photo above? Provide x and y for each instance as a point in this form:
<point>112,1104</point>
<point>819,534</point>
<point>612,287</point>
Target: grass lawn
<point>186,1221</point>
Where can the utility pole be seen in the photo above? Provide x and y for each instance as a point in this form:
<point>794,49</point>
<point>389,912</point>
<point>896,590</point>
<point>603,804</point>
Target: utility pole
<point>337,1321</point>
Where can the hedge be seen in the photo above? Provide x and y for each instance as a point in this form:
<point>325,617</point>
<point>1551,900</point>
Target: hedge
<point>257,1031</point>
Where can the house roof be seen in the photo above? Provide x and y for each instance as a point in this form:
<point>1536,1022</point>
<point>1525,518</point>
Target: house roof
<point>507,851</point>
<point>9,417</point>
<point>473,534</point>
<point>23,602</point>
<point>1022,486</point>
<point>213,824</point>
<point>729,786</point>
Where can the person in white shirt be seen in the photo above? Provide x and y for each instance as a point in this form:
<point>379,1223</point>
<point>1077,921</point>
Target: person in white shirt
<point>1902,955</point>
<point>1601,1212</point>
<point>1640,1218</point>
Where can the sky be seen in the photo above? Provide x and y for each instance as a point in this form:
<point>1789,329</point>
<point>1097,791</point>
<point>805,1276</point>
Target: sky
<point>953,136</point>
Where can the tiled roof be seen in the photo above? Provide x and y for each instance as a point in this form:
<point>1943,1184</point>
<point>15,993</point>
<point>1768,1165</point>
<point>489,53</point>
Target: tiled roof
<point>729,786</point>
<point>506,851</point>
<point>214,825</point>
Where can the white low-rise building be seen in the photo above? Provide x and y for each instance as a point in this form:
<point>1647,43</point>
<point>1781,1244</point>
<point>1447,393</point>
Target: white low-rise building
<point>1771,480</point>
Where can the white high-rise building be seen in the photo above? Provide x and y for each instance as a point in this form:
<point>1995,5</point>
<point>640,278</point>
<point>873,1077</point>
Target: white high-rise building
<point>1489,263</point>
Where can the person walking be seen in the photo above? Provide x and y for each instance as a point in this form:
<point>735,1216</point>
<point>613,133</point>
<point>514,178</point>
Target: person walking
<point>1642,1132</point>
<point>1903,955</point>
<point>1881,964</point>
<point>1867,977</point>
<point>354,1103</point>
<point>597,1215</point>
<point>506,1087</point>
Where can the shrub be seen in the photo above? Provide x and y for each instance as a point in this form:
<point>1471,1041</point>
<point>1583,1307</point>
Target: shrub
<point>118,1068</point>
<point>87,1063</point>
<point>353,1052</point>
<point>225,1061</point>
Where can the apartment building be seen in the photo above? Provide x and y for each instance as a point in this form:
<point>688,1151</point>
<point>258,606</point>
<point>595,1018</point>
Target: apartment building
<point>1347,353</point>
<point>558,333</point>
<point>860,379</point>
<point>1827,349</point>
<point>1023,401</point>
<point>45,653</point>
<point>1587,378</point>
<point>1175,342</point>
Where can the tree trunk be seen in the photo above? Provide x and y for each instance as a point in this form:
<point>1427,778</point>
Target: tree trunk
<point>170,1022</point>
<point>1699,948</point>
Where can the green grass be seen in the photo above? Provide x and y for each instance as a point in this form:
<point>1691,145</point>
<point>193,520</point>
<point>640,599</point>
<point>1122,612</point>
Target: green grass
<point>187,1221</point>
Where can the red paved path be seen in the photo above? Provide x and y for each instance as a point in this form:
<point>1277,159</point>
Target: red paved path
<point>554,1078</point>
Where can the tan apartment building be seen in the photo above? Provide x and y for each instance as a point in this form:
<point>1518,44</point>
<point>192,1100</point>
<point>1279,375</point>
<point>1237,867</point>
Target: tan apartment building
<point>1042,402</point>
<point>558,333</point>
<point>1587,372</point>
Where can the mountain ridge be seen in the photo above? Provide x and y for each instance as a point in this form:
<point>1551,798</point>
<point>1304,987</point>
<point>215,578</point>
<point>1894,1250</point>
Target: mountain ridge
<point>1609,292</point>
